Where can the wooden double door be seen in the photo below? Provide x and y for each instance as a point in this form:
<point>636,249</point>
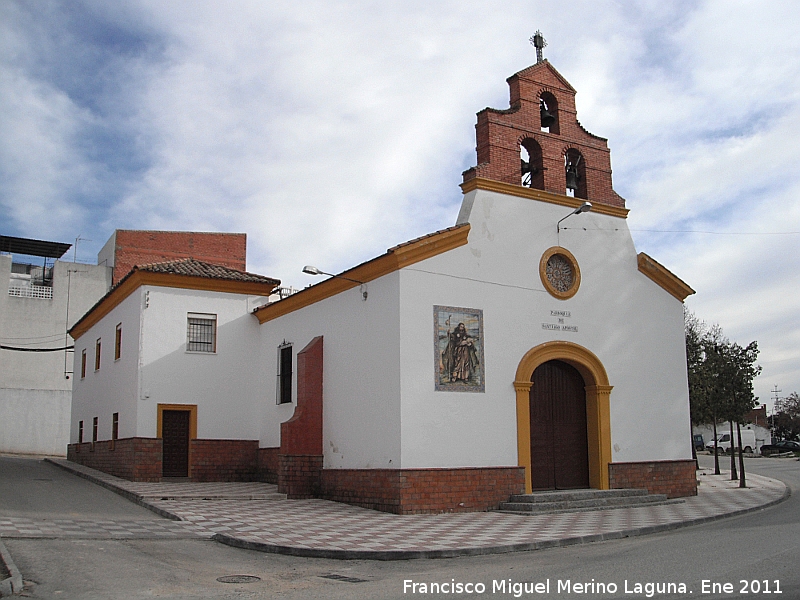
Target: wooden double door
<point>559,444</point>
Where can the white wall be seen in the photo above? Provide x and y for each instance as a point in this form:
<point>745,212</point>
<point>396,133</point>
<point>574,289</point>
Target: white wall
<point>112,388</point>
<point>34,421</point>
<point>631,324</point>
<point>381,409</point>
<point>155,368</point>
<point>227,386</point>
<point>35,389</point>
<point>361,380</point>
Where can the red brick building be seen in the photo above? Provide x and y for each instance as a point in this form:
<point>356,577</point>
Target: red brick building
<point>128,248</point>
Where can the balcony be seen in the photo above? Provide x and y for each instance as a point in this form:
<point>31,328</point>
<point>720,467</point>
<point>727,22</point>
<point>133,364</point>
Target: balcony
<point>29,281</point>
<point>31,291</point>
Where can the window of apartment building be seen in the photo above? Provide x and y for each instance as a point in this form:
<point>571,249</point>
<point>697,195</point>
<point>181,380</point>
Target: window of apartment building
<point>118,342</point>
<point>83,365</point>
<point>94,430</point>
<point>97,345</point>
<point>80,432</point>
<point>201,333</point>
<point>284,373</point>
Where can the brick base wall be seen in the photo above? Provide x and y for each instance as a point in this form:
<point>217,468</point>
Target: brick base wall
<point>299,475</point>
<point>139,459</point>
<point>268,464</point>
<point>223,460</point>
<point>136,459</point>
<point>675,478</point>
<point>419,491</point>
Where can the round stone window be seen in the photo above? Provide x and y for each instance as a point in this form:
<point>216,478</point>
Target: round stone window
<point>560,273</point>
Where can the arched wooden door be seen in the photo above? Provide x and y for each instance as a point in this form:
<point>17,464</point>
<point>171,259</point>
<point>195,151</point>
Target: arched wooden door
<point>559,445</point>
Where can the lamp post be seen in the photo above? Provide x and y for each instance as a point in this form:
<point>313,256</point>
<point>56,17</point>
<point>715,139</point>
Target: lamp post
<point>311,270</point>
<point>585,207</point>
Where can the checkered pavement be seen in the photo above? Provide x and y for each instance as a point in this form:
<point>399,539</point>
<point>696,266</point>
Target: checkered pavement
<point>324,526</point>
<point>21,527</point>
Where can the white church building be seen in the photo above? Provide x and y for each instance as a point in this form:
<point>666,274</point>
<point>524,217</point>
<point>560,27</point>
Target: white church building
<point>528,347</point>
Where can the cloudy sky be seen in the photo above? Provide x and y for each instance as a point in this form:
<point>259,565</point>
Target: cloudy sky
<point>329,131</point>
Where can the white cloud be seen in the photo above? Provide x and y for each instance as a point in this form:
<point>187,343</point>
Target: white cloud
<point>330,131</point>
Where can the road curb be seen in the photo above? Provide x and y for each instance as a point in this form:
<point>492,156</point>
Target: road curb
<point>387,555</point>
<point>13,584</point>
<point>136,499</point>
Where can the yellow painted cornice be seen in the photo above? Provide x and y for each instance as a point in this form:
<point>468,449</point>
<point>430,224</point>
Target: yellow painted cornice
<point>663,277</point>
<point>395,258</point>
<point>138,278</point>
<point>490,185</point>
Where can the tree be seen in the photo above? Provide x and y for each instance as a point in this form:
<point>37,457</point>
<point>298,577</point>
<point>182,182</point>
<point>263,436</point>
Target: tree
<point>720,375</point>
<point>702,372</point>
<point>738,369</point>
<point>786,418</point>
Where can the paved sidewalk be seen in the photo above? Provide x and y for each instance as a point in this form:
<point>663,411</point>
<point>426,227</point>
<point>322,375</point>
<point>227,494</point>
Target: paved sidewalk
<point>321,528</point>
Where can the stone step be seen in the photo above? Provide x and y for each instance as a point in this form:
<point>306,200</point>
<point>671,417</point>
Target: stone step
<point>569,495</point>
<point>214,496</point>
<point>582,500</point>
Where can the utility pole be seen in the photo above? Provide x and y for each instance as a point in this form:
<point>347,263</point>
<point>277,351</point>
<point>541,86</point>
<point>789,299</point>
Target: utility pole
<point>774,391</point>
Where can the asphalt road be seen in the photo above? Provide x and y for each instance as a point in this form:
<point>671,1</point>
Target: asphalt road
<point>764,545</point>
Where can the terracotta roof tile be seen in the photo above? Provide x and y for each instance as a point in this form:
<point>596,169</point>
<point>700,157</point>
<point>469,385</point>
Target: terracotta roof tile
<point>197,268</point>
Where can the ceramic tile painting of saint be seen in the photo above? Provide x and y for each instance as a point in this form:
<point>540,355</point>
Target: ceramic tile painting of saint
<point>458,349</point>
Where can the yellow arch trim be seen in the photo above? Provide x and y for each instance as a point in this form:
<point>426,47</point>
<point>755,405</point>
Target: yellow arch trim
<point>598,417</point>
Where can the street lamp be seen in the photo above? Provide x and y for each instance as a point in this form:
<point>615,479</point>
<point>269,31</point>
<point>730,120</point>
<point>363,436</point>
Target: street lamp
<point>311,270</point>
<point>585,207</point>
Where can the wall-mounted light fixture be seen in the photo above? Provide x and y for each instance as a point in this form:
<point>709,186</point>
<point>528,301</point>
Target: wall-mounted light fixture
<point>311,270</point>
<point>585,207</point>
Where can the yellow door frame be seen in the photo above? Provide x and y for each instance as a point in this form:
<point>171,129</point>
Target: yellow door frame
<point>598,417</point>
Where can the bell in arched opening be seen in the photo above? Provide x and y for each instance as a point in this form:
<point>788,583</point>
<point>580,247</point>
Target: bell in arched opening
<point>575,173</point>
<point>545,115</point>
<point>548,112</point>
<point>531,164</point>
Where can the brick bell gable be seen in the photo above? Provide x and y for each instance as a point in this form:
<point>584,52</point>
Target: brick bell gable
<point>501,133</point>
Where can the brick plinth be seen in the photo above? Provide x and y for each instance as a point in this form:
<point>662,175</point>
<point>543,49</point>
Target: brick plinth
<point>420,491</point>
<point>302,434</point>
<point>136,459</point>
<point>299,475</point>
<point>223,460</point>
<point>300,458</point>
<point>675,478</point>
<point>268,464</point>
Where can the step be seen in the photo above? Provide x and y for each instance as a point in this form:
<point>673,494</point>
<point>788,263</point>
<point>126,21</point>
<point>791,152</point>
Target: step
<point>214,496</point>
<point>570,495</point>
<point>582,500</point>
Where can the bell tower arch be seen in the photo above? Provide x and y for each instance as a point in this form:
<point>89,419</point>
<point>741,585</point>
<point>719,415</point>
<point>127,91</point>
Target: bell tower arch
<point>542,114</point>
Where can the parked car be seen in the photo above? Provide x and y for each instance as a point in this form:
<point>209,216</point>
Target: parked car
<point>699,442</point>
<point>779,447</point>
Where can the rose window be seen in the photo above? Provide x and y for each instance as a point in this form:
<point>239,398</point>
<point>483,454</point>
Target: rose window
<point>559,273</point>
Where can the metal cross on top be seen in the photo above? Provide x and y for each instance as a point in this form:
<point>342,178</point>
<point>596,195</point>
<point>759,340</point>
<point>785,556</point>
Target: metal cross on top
<point>538,41</point>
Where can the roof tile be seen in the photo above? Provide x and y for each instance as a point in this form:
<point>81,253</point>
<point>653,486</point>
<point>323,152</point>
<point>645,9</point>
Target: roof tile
<point>196,268</point>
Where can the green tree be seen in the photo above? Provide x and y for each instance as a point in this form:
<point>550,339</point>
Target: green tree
<point>702,373</point>
<point>786,418</point>
<point>738,369</point>
<point>720,375</point>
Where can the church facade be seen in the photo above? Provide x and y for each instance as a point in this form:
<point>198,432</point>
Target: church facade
<point>528,347</point>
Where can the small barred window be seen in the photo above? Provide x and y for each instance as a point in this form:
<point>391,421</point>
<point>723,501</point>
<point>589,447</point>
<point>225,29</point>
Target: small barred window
<point>201,333</point>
